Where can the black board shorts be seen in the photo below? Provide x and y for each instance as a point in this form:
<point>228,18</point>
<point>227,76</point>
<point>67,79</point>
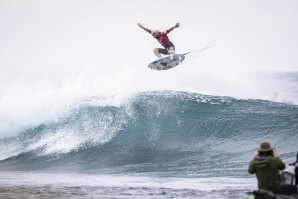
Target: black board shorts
<point>165,51</point>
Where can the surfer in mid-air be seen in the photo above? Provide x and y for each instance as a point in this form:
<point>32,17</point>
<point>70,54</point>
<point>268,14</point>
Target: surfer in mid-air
<point>163,39</point>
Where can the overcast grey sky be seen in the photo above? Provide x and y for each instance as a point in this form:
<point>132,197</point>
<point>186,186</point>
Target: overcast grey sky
<point>58,39</point>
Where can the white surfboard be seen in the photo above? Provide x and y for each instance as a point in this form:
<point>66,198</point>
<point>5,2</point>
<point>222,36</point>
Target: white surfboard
<point>168,62</point>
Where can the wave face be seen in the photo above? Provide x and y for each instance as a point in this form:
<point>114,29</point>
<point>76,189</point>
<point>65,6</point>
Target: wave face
<point>168,133</point>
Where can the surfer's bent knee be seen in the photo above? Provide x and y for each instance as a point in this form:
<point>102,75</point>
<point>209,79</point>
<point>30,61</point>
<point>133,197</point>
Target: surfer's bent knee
<point>156,52</point>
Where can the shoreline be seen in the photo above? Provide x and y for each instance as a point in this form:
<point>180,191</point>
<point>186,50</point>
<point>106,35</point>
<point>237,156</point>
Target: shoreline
<point>23,185</point>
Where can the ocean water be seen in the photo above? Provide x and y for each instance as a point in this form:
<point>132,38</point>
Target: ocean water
<point>157,144</point>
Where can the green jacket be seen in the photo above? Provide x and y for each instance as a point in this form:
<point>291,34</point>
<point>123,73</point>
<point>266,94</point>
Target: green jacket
<point>267,171</point>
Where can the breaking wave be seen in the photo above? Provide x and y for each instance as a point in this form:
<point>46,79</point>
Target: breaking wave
<point>166,132</point>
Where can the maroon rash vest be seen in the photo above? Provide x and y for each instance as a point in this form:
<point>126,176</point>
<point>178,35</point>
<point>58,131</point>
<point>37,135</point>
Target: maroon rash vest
<point>164,40</point>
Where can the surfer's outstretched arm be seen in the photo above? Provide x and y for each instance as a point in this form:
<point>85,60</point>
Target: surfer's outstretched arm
<point>172,28</point>
<point>146,29</point>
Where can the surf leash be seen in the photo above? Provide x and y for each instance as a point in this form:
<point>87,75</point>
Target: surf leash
<point>199,51</point>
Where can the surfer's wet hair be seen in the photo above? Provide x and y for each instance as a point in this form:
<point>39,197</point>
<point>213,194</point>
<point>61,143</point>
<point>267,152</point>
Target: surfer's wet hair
<point>154,31</point>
